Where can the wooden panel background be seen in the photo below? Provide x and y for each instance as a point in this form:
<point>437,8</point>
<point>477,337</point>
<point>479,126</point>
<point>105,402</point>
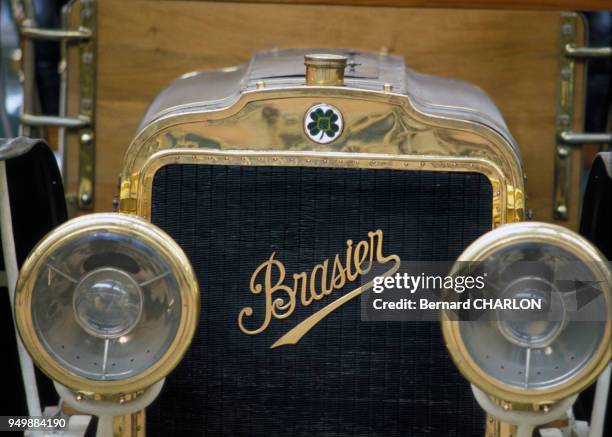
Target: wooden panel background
<point>512,55</point>
<point>540,5</point>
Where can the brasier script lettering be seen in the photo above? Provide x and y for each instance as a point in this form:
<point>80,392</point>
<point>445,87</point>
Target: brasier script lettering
<point>281,299</point>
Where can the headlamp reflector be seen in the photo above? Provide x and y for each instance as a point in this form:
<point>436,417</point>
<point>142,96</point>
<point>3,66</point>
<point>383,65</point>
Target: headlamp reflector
<point>105,302</point>
<point>534,354</point>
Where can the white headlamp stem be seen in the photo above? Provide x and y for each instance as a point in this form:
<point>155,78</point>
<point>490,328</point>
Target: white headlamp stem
<point>600,402</point>
<point>525,420</point>
<point>106,410</point>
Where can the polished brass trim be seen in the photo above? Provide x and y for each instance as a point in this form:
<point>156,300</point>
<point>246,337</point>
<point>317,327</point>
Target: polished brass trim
<point>265,124</point>
<point>125,225</point>
<point>131,425</point>
<point>265,127</point>
<point>310,159</point>
<point>532,232</point>
<point>325,69</point>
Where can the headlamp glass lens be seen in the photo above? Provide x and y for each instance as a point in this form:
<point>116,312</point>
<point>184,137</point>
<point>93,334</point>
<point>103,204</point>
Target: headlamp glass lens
<point>106,306</point>
<point>107,303</point>
<point>537,348</point>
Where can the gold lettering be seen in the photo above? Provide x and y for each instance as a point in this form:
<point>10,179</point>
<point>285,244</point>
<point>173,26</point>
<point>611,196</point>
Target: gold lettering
<point>273,307</point>
<point>304,298</point>
<point>379,256</point>
<point>338,277</point>
<point>349,256</point>
<point>280,299</point>
<point>313,281</point>
<point>361,254</point>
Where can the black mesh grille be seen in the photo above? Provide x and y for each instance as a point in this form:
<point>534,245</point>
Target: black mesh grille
<point>345,377</point>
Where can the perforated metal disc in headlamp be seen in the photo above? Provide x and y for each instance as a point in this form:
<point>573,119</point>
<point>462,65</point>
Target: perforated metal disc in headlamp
<point>107,303</point>
<point>524,353</point>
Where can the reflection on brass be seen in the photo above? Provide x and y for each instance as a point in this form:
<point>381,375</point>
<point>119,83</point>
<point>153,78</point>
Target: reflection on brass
<point>502,202</point>
<point>325,69</point>
<point>263,125</point>
<point>358,261</point>
<point>131,425</point>
<point>497,428</point>
<point>381,130</point>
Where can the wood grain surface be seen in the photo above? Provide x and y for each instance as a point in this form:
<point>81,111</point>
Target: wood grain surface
<point>539,5</point>
<point>512,55</point>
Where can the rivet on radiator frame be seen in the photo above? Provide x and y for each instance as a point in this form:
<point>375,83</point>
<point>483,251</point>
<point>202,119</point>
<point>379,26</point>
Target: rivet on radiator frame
<point>260,85</point>
<point>86,137</point>
<point>387,87</point>
<point>85,198</point>
<point>563,152</point>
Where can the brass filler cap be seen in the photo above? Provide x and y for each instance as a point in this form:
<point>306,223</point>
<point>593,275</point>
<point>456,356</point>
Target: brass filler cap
<point>325,69</point>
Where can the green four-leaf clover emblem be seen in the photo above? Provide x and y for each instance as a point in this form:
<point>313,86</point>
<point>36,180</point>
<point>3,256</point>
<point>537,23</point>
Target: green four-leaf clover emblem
<point>323,123</point>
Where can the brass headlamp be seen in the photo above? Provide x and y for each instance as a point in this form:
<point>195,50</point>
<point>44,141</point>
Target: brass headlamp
<point>107,304</point>
<point>544,360</point>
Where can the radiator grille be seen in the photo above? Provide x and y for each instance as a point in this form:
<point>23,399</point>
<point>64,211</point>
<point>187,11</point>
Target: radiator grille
<point>345,377</point>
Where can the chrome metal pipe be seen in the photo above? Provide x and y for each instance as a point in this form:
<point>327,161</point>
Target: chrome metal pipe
<point>569,137</point>
<point>29,31</point>
<point>51,120</point>
<point>573,51</point>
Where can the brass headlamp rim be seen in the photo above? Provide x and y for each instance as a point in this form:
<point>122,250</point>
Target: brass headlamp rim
<point>483,247</point>
<point>122,224</point>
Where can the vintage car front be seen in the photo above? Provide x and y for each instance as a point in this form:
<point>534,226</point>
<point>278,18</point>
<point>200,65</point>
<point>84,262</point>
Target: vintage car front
<point>232,295</point>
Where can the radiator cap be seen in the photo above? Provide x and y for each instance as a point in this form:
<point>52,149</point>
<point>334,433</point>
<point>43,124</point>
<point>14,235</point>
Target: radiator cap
<point>324,69</point>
